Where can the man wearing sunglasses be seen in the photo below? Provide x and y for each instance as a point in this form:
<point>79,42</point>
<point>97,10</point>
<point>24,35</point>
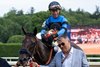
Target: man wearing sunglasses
<point>69,56</point>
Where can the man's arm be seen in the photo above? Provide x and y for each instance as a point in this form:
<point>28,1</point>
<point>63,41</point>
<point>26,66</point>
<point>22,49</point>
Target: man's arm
<point>84,61</point>
<point>63,29</point>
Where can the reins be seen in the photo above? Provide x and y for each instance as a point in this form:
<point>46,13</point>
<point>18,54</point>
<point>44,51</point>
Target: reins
<point>50,56</point>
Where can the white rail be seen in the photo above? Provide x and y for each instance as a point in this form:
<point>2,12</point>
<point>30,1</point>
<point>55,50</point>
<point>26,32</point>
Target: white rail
<point>94,60</point>
<point>12,60</point>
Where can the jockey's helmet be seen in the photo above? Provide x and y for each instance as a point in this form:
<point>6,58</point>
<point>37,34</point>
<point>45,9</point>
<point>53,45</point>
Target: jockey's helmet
<point>54,6</point>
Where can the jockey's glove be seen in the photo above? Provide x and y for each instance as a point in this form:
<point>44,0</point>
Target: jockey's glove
<point>51,38</point>
<point>54,35</point>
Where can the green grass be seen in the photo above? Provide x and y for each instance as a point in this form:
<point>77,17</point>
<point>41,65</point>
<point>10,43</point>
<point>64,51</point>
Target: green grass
<point>9,49</point>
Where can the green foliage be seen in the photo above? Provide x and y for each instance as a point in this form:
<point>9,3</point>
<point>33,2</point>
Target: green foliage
<point>1,43</point>
<point>12,22</point>
<point>9,49</point>
<point>15,39</point>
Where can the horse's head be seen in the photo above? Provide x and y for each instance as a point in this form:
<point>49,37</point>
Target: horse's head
<point>30,38</point>
<point>27,47</point>
<point>34,48</point>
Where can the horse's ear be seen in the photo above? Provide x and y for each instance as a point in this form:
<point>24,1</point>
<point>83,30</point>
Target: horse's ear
<point>35,31</point>
<point>23,30</point>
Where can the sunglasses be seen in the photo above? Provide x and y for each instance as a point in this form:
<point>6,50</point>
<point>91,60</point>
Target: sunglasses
<point>62,44</point>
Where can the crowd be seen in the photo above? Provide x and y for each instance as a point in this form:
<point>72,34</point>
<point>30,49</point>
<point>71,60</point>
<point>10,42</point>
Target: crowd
<point>90,36</point>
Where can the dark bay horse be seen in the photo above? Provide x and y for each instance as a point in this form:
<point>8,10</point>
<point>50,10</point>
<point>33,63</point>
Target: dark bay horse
<point>33,48</point>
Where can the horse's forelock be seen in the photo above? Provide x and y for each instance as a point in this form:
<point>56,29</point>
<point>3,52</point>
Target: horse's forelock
<point>30,34</point>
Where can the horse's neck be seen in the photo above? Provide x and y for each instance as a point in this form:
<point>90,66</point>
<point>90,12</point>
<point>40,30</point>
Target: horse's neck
<point>43,47</point>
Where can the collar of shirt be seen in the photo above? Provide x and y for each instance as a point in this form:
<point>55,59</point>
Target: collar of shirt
<point>70,53</point>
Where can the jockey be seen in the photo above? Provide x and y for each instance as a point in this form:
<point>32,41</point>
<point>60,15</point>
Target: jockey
<point>55,21</point>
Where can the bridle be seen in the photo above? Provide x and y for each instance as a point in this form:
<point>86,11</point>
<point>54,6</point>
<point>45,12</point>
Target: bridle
<point>25,51</point>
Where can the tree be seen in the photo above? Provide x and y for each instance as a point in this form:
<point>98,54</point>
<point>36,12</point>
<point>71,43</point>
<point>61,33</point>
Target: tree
<point>32,10</point>
<point>20,12</point>
<point>12,12</point>
<point>96,14</point>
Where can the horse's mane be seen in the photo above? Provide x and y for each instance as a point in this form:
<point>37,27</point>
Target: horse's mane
<point>76,46</point>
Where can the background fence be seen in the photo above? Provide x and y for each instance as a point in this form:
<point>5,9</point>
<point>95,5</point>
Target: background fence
<point>91,50</point>
<point>93,61</point>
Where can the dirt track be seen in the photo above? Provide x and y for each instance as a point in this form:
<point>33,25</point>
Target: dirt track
<point>90,49</point>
